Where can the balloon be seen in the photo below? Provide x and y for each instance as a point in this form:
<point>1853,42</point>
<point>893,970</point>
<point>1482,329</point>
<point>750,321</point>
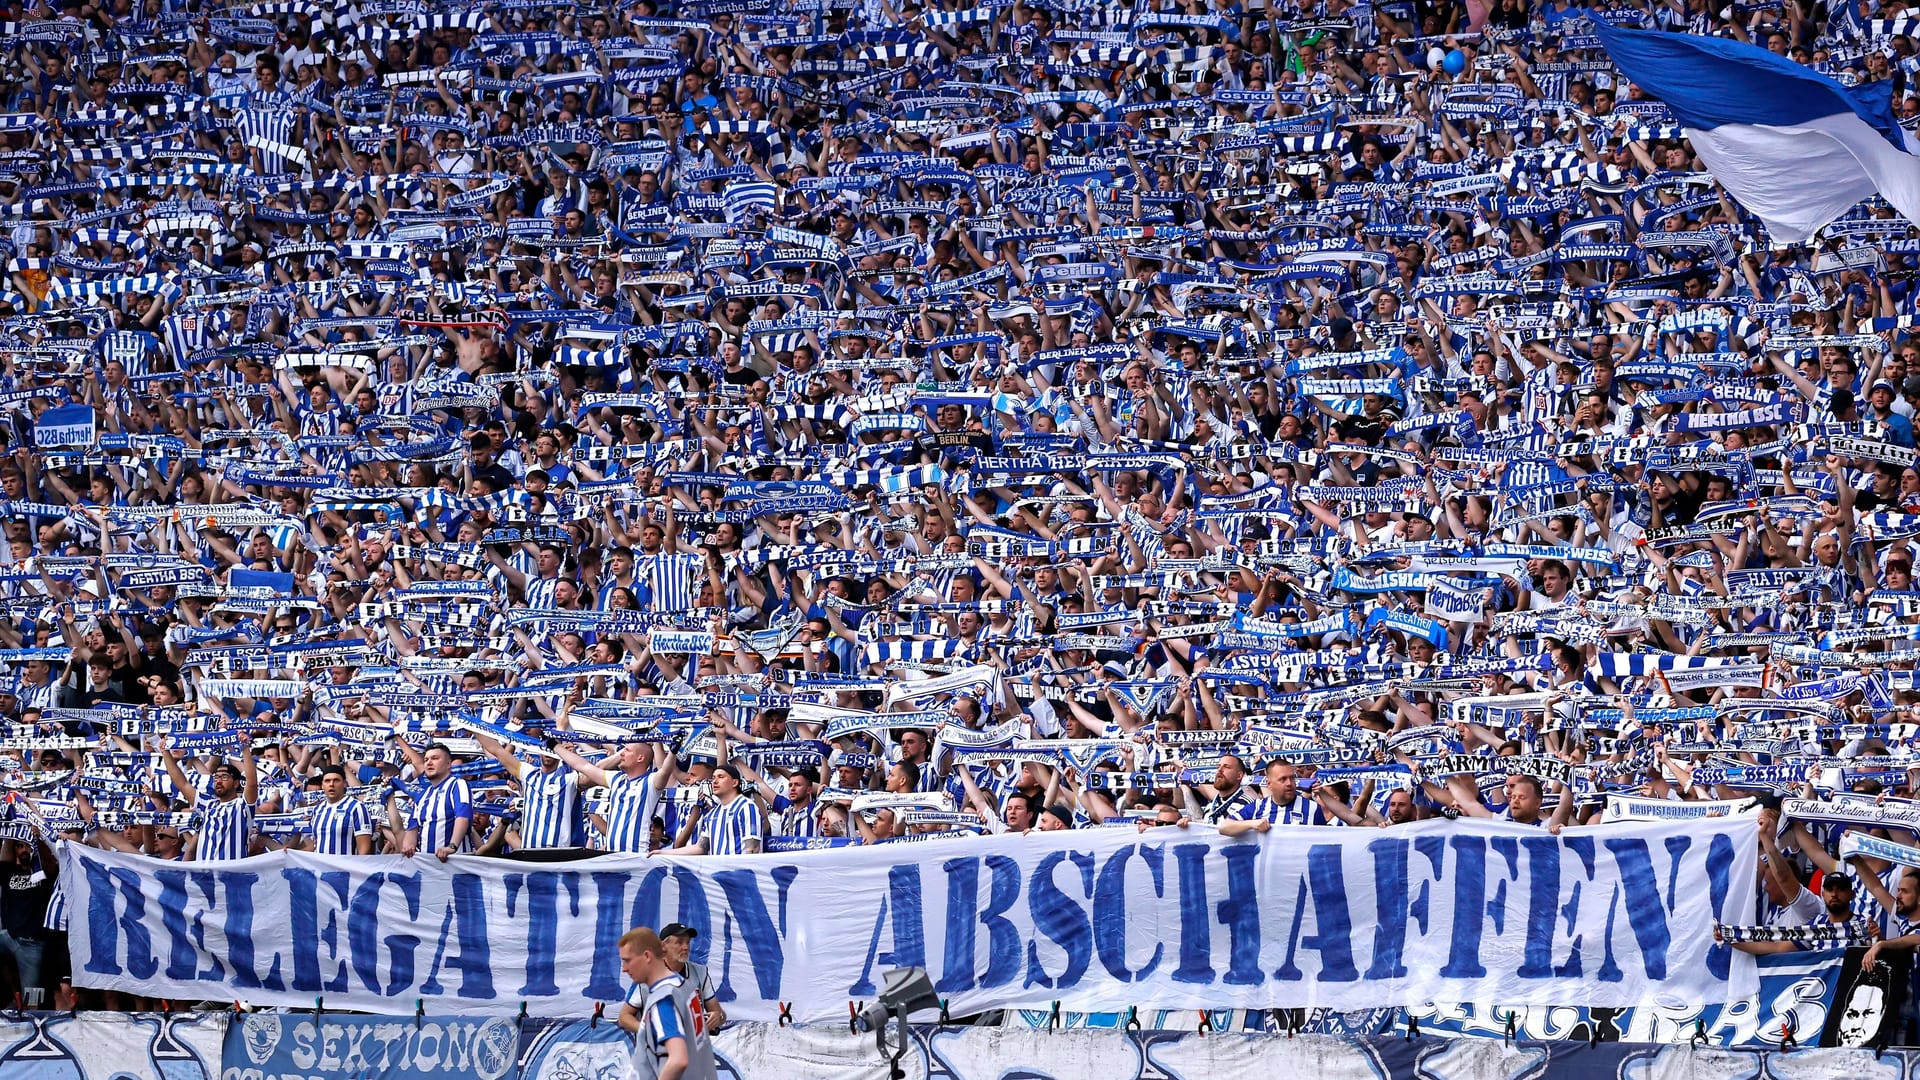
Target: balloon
<point>1455,62</point>
<point>1434,57</point>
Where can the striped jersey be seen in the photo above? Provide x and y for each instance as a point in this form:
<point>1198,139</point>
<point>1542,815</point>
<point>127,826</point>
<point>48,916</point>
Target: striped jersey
<point>630,802</point>
<point>669,582</point>
<point>1301,811</point>
<point>224,828</point>
<point>728,827</point>
<point>539,591</point>
<point>794,820</point>
<point>550,807</point>
<point>57,907</point>
<point>335,825</point>
<point>436,810</point>
<point>1226,807</point>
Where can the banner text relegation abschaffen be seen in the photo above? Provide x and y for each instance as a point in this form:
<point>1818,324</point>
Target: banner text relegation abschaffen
<point>1096,920</point>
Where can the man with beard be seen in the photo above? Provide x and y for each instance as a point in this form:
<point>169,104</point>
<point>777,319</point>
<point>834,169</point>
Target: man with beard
<point>1224,797</point>
<point>1903,907</point>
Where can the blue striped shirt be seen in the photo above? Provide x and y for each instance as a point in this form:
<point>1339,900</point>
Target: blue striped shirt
<point>130,347</point>
<point>540,591</point>
<point>1227,807</point>
<point>224,828</point>
<point>629,806</point>
<point>436,810</point>
<point>796,820</point>
<point>670,582</point>
<point>57,911</point>
<point>335,825</point>
<point>1301,811</point>
<point>674,815</point>
<point>930,778</point>
<point>550,807</point>
<point>728,827</point>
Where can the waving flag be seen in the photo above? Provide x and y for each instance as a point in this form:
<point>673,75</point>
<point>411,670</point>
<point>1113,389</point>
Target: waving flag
<point>1794,146</point>
<point>743,201</point>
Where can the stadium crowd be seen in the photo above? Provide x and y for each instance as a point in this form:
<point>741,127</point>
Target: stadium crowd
<point>730,426</point>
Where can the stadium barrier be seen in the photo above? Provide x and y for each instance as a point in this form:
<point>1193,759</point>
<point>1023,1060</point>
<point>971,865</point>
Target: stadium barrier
<point>286,1046</point>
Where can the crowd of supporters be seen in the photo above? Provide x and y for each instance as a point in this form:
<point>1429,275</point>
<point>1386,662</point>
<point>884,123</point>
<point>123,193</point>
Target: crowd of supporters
<point>717,427</point>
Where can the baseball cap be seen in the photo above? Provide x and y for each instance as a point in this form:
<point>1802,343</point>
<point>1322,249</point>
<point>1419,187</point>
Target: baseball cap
<point>674,929</point>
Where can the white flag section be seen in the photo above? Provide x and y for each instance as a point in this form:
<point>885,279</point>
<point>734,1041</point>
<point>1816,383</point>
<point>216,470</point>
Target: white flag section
<point>1613,915</point>
<point>1793,145</point>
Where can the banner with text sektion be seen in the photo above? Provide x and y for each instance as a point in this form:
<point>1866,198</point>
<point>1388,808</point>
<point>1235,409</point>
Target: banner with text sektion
<point>305,1046</point>
<point>1183,918</point>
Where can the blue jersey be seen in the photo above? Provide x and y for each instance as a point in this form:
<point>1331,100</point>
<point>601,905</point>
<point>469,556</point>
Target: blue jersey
<point>630,801</point>
<point>436,811</point>
<point>1301,811</point>
<point>550,801</point>
<point>336,825</point>
<point>224,828</point>
<point>57,909</point>
<point>728,827</point>
<point>1226,807</point>
<point>796,820</point>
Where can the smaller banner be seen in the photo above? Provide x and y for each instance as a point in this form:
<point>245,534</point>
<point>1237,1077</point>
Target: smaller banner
<point>65,426</point>
<point>293,1046</point>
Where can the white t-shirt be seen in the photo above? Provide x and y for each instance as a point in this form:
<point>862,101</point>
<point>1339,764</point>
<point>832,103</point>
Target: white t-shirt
<point>1802,911</point>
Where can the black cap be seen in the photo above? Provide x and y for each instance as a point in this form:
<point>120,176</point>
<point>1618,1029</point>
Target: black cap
<point>674,929</point>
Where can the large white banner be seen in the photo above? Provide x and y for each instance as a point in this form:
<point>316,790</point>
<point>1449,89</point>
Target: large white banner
<point>1176,918</point>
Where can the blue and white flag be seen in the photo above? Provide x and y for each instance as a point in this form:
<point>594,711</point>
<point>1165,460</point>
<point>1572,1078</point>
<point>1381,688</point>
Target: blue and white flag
<point>743,201</point>
<point>65,425</point>
<point>1794,146</point>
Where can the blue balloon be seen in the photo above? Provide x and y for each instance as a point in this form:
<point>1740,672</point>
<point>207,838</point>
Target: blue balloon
<point>1455,62</point>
